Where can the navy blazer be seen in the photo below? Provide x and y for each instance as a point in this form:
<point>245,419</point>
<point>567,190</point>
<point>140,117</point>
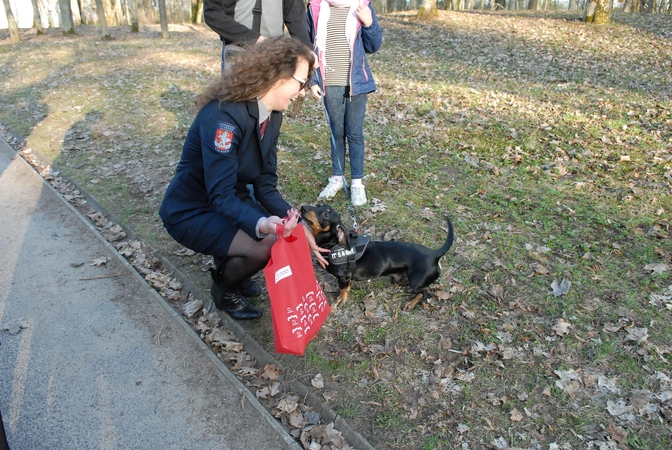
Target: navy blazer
<point>223,152</point>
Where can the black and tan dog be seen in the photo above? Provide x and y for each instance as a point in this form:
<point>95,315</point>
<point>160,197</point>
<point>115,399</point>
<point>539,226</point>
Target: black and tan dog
<point>354,257</point>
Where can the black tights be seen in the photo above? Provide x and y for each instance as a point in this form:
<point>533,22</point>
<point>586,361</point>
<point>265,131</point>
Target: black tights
<point>246,257</point>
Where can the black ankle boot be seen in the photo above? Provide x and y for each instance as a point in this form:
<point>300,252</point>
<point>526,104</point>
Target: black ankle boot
<point>232,301</point>
<point>249,288</point>
<point>237,306</point>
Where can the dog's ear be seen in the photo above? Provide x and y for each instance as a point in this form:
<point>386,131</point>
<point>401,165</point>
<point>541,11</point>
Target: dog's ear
<point>343,238</point>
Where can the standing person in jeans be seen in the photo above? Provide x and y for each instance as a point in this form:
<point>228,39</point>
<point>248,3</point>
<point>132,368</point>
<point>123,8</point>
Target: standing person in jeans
<point>241,22</point>
<point>343,31</point>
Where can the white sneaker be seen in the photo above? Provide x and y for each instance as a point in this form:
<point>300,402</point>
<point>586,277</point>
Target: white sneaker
<point>335,185</point>
<point>358,196</point>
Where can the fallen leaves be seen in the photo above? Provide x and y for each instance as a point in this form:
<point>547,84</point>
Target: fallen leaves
<point>657,268</point>
<point>638,335</point>
<point>103,260</point>
<point>516,415</point>
<point>664,298</point>
<point>15,326</point>
<point>618,434</point>
<point>560,288</point>
<point>271,372</point>
<point>378,205</point>
<point>538,269</point>
<point>317,382</point>
<point>570,380</point>
<point>192,307</point>
<point>561,327</point>
<point>114,233</point>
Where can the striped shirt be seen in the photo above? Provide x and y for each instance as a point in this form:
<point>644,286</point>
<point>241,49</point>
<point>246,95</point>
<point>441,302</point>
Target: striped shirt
<point>337,71</point>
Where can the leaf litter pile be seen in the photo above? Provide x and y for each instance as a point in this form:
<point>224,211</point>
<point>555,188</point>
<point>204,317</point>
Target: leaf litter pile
<point>545,140</point>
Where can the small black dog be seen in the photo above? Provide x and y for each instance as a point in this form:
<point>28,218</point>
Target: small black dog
<point>354,257</point>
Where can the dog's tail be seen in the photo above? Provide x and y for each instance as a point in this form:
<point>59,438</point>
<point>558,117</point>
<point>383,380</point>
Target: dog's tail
<point>449,241</point>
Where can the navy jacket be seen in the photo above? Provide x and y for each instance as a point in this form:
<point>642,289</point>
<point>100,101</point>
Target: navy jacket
<point>222,153</point>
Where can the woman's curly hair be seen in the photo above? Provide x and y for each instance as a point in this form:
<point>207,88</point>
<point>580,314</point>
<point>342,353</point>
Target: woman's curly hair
<point>256,70</point>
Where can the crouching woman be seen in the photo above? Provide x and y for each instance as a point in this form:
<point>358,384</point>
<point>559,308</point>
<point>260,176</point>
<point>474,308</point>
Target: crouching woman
<point>232,143</point>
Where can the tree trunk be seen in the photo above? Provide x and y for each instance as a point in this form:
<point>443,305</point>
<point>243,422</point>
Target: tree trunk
<point>37,19</point>
<point>118,12</point>
<point>100,11</point>
<point>65,13</point>
<point>199,16</point>
<point>133,12</point>
<point>194,10</point>
<point>14,35</point>
<point>598,12</point>
<point>197,11</point>
<point>80,13</point>
<point>428,10</point>
<point>46,14</point>
<point>164,19</point>
<point>572,5</point>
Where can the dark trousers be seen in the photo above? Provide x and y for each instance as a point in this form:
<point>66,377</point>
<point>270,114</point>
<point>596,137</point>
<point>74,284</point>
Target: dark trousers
<point>3,437</point>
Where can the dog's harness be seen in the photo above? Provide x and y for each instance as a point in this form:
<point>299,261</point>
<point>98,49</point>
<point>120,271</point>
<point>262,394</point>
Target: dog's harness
<point>341,255</point>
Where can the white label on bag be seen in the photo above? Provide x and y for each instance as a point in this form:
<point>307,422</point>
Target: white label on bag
<point>283,273</point>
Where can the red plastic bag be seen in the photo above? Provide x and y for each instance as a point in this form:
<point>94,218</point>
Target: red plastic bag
<point>298,304</point>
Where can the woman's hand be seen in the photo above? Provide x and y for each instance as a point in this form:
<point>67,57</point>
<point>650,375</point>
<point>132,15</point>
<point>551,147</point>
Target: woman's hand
<point>316,250</point>
<point>270,224</point>
<point>316,91</point>
<point>364,14</point>
<point>290,222</point>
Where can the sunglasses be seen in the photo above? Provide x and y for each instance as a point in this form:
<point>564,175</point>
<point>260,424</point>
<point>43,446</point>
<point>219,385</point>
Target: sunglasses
<point>305,84</point>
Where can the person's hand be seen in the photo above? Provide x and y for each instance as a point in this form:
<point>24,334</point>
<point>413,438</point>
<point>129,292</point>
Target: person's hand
<point>316,250</point>
<point>364,15</point>
<point>261,38</point>
<point>316,91</point>
<point>270,224</point>
<point>290,222</point>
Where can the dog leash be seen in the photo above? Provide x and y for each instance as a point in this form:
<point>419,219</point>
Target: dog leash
<point>355,225</point>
